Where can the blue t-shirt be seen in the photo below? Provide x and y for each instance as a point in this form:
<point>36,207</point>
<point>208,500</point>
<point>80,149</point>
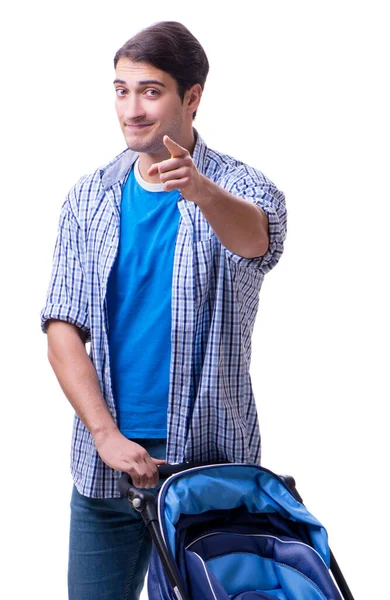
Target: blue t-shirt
<point>139,295</point>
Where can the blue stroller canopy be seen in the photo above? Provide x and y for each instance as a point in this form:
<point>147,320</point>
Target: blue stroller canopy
<point>236,532</point>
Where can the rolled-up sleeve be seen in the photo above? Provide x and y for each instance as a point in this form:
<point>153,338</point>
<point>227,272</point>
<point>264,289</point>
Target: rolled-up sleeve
<point>259,190</point>
<point>67,298</point>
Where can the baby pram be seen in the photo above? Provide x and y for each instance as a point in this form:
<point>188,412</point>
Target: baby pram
<point>234,532</point>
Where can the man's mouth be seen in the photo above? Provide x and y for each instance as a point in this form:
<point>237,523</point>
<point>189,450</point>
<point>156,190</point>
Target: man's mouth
<point>137,125</point>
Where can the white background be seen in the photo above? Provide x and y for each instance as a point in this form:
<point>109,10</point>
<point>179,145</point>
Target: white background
<point>297,89</point>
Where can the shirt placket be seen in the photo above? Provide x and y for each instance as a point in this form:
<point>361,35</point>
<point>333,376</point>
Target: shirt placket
<point>183,319</point>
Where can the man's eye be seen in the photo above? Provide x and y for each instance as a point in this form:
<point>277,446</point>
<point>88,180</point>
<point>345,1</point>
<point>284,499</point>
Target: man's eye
<point>152,93</point>
<point>120,92</point>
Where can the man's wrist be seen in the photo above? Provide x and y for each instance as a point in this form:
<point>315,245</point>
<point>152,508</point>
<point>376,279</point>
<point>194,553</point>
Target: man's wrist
<point>101,430</point>
<point>206,193</point>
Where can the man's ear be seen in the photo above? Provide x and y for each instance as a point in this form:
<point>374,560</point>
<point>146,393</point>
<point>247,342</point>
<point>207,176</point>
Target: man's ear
<point>193,97</point>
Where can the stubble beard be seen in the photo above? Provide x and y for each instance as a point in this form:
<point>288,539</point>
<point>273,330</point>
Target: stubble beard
<point>155,144</point>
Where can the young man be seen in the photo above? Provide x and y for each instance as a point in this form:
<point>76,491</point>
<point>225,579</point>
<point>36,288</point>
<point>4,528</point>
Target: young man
<point>159,261</point>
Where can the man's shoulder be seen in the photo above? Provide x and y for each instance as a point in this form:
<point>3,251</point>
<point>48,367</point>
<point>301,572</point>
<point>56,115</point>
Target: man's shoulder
<point>92,186</point>
<point>238,177</point>
<point>104,175</point>
<point>230,172</point>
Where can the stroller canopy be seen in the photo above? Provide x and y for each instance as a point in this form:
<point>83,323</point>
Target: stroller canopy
<point>236,532</point>
<point>229,486</point>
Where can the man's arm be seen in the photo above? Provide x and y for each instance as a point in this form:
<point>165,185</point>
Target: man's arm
<point>241,226</point>
<point>78,378</point>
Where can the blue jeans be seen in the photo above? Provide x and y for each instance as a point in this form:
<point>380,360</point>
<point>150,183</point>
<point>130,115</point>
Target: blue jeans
<point>109,547</point>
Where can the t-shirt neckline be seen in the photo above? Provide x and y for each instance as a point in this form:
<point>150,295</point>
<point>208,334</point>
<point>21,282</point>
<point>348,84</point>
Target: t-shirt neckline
<point>150,187</point>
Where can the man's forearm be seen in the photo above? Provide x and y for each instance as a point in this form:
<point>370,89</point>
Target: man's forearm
<point>242,227</point>
<point>78,378</point>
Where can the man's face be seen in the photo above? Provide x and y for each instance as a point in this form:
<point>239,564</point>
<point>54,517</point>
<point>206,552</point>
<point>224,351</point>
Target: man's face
<point>148,106</point>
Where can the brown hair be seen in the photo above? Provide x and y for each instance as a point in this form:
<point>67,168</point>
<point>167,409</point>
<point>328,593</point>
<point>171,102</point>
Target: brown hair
<point>169,46</point>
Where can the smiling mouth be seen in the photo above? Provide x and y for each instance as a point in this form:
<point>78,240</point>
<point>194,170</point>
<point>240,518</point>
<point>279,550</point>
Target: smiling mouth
<point>137,126</point>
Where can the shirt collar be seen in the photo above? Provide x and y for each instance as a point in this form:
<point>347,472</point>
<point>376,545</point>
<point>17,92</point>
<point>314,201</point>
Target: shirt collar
<point>117,169</point>
<point>199,153</point>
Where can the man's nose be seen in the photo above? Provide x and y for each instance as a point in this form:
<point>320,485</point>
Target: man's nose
<point>134,110</point>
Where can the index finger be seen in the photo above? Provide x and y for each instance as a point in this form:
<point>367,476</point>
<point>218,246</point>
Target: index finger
<point>175,149</point>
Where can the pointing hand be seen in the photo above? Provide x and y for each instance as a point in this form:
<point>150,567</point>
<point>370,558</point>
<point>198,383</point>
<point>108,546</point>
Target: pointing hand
<point>178,172</point>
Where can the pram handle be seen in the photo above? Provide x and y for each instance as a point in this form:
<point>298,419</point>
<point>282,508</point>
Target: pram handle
<point>167,470</point>
<point>128,490</point>
<point>126,486</point>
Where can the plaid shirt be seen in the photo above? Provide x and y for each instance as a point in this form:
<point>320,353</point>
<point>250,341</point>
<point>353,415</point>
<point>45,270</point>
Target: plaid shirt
<point>211,409</point>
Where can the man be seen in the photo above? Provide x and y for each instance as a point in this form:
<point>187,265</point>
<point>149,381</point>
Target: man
<point>159,261</point>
